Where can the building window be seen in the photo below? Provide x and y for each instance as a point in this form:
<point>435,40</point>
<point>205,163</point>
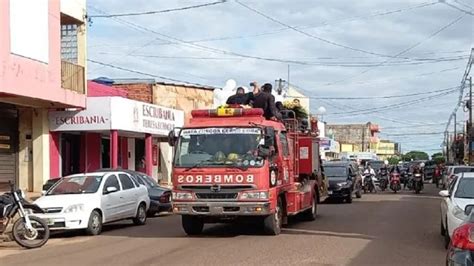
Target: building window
<point>69,43</point>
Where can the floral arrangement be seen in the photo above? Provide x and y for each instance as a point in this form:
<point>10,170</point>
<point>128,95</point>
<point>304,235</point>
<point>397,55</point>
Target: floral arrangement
<point>295,106</point>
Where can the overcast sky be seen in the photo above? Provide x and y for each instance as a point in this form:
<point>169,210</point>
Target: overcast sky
<point>335,48</point>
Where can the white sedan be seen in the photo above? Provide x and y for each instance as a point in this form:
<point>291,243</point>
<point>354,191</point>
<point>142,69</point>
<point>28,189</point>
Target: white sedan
<point>459,195</point>
<point>87,201</point>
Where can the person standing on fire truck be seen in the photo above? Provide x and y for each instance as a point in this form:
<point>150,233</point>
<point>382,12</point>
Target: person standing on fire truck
<point>266,101</point>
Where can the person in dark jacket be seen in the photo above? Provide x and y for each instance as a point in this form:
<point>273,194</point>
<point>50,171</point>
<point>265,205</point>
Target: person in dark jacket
<point>240,97</point>
<point>265,100</point>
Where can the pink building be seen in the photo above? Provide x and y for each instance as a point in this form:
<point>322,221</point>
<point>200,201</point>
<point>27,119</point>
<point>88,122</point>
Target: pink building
<point>42,68</point>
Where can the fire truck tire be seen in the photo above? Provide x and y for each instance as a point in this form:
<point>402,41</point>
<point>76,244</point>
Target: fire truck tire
<point>312,213</point>
<point>273,223</point>
<point>192,225</point>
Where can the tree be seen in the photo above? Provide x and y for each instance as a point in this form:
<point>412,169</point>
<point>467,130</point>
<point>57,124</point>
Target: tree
<point>438,154</point>
<point>415,155</point>
<point>393,160</point>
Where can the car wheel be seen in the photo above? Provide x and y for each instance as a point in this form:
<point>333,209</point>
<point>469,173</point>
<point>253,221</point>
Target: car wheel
<point>442,230</point>
<point>273,222</point>
<point>310,214</point>
<point>94,227</point>
<point>140,218</point>
<point>349,198</point>
<point>192,225</point>
<point>447,240</point>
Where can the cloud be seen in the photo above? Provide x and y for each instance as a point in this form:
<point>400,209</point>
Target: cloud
<point>351,23</point>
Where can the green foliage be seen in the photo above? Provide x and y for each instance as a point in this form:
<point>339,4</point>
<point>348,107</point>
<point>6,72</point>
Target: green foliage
<point>439,159</point>
<point>394,160</point>
<point>438,154</point>
<point>415,155</point>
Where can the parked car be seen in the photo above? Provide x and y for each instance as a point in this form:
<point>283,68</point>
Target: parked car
<point>87,201</point>
<point>160,197</point>
<point>344,180</point>
<point>461,247</point>
<point>455,170</point>
<point>49,184</point>
<point>459,195</point>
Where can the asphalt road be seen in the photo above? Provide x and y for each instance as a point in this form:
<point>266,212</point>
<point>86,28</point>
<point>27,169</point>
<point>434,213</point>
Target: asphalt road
<point>379,229</point>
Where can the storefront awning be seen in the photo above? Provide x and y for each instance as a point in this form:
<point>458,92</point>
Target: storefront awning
<point>117,113</point>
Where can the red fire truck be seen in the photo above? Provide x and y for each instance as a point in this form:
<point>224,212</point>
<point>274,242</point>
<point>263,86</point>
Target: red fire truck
<point>232,163</point>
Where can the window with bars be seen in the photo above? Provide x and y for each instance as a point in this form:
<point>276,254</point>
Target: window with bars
<point>69,43</point>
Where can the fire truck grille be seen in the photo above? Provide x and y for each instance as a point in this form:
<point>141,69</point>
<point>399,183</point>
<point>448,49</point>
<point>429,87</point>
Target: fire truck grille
<point>216,195</point>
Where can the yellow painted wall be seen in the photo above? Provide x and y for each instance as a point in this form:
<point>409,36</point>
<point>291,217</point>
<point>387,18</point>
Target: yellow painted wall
<point>347,147</point>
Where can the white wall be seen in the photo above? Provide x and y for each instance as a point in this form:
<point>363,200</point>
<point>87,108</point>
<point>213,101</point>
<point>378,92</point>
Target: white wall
<point>29,31</point>
<point>74,8</point>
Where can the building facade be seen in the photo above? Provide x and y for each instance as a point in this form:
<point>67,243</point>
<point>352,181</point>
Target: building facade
<point>37,76</point>
<point>183,97</point>
<point>384,149</point>
<point>354,137</point>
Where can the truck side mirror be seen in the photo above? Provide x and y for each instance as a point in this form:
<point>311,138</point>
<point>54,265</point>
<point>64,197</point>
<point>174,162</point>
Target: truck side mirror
<point>269,136</point>
<point>172,138</point>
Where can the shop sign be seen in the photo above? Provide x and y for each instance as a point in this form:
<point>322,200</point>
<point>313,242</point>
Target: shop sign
<point>95,117</point>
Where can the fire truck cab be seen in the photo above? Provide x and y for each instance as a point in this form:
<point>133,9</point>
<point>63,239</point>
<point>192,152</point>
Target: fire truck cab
<point>232,163</point>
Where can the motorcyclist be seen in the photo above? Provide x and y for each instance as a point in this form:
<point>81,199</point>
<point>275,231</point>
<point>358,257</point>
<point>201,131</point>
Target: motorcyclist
<point>369,172</point>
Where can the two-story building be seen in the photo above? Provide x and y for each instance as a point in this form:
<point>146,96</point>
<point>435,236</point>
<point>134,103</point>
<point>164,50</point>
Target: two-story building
<point>42,67</point>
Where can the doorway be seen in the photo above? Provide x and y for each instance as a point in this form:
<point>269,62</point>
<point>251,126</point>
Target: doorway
<point>105,152</point>
<point>70,154</point>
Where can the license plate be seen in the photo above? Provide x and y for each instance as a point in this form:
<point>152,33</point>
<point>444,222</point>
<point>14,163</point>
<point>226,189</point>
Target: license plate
<point>329,192</point>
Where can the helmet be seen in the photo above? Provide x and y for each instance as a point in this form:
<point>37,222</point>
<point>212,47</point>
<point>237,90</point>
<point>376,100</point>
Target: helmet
<point>422,165</point>
<point>232,157</point>
<point>385,162</point>
<point>219,156</point>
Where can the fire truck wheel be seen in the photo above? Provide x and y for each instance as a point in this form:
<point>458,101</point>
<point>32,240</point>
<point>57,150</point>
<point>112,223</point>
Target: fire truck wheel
<point>310,214</point>
<point>273,222</point>
<point>192,225</point>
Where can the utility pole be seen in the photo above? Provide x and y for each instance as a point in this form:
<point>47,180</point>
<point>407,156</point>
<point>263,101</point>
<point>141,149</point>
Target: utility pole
<point>469,129</point>
<point>455,126</point>
<point>447,146</point>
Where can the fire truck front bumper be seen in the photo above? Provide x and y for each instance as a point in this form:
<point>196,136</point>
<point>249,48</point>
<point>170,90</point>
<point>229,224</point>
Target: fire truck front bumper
<point>222,208</point>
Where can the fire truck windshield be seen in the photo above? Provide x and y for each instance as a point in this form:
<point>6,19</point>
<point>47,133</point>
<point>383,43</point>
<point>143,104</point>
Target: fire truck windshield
<point>219,147</point>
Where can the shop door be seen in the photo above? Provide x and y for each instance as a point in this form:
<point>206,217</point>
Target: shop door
<point>8,145</point>
<point>105,153</point>
<point>70,153</point>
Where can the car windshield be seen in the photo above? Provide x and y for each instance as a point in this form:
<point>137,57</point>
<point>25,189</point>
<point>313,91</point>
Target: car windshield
<point>218,147</point>
<point>77,185</point>
<point>458,170</point>
<point>465,189</point>
<point>335,172</point>
<point>149,182</point>
<point>376,165</point>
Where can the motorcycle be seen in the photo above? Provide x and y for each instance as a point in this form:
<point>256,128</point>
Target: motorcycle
<point>383,181</point>
<point>395,182</point>
<point>17,220</point>
<point>417,182</point>
<point>368,184</point>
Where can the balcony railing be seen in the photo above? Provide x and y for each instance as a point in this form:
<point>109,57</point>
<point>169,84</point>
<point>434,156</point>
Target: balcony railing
<point>72,77</point>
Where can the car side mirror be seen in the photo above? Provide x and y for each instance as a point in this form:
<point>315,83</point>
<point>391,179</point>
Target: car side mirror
<point>111,190</point>
<point>468,210</point>
<point>444,193</point>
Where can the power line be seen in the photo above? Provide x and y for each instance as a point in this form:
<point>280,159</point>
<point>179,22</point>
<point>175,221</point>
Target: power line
<point>157,11</point>
<point>413,134</point>
<point>144,73</point>
<point>394,106</point>
<point>405,50</point>
<point>383,97</point>
<point>308,34</point>
<point>459,9</point>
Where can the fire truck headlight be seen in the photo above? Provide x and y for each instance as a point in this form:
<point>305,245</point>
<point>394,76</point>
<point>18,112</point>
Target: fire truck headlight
<point>254,195</point>
<point>273,178</point>
<point>182,196</point>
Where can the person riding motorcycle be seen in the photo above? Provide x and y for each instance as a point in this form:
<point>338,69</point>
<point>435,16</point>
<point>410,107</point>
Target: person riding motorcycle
<point>369,172</point>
